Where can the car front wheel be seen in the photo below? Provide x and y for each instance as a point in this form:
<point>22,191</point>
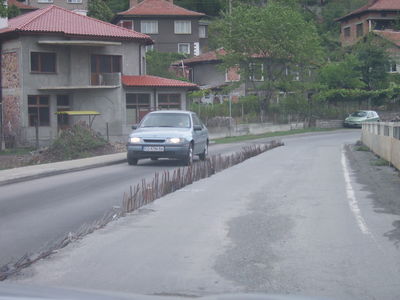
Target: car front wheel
<point>203,155</point>
<point>189,156</point>
<point>132,161</point>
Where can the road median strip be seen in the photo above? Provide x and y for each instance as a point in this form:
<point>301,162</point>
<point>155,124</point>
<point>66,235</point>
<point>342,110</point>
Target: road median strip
<point>142,194</point>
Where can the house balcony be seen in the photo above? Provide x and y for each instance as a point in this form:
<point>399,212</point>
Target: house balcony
<point>105,79</point>
<point>97,81</point>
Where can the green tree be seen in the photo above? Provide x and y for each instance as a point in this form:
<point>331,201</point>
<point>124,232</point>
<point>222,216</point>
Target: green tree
<point>118,5</point>
<point>158,63</point>
<point>13,11</point>
<point>3,10</point>
<point>372,53</point>
<point>99,9</point>
<point>275,33</point>
<point>208,7</point>
<point>344,74</point>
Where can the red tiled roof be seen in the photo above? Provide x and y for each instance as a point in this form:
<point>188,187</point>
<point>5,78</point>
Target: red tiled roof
<point>154,81</point>
<point>159,8</point>
<point>205,57</point>
<point>375,5</point>
<point>391,36</point>
<point>54,19</point>
<point>211,56</point>
<point>20,5</point>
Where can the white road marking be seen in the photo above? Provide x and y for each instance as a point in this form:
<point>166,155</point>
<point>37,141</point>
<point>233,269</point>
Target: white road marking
<point>353,203</point>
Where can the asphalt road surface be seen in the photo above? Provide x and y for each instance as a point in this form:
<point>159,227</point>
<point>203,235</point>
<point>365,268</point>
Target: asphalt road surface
<point>312,218</point>
<point>36,213</point>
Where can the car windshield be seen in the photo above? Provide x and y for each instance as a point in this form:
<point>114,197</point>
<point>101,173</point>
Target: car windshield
<point>167,120</point>
<point>359,114</point>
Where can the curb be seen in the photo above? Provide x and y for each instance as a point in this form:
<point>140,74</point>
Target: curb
<point>58,172</point>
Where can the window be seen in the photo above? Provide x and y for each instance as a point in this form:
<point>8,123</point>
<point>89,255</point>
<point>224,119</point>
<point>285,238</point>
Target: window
<point>232,74</point>
<point>149,27</point>
<point>45,1</point>
<point>149,48</point>
<point>359,30</point>
<point>38,110</point>
<point>184,48</point>
<point>106,63</point>
<point>183,27</point>
<point>293,72</point>
<point>392,67</point>
<point>169,101</point>
<point>126,24</point>
<point>256,72</point>
<point>74,1</point>
<point>137,106</point>
<point>346,32</point>
<point>196,121</point>
<point>43,62</point>
<point>202,31</point>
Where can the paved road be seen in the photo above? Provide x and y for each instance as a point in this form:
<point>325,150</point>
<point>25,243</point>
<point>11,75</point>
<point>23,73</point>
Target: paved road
<point>300,219</point>
<point>38,212</point>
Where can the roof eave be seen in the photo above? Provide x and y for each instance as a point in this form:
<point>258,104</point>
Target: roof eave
<point>159,16</point>
<point>352,15</point>
<point>144,41</point>
<point>162,86</point>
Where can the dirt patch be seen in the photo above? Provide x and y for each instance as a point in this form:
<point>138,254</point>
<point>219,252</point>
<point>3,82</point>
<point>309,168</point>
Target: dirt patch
<point>9,161</point>
<point>76,142</point>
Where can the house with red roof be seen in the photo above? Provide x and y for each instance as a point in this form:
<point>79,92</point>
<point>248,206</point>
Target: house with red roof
<point>228,84</point>
<point>173,28</point>
<point>376,15</point>
<point>22,6</point>
<point>55,61</point>
<point>205,71</point>
<point>78,6</point>
<point>380,17</point>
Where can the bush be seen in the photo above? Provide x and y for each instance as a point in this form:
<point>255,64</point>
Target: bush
<point>75,142</point>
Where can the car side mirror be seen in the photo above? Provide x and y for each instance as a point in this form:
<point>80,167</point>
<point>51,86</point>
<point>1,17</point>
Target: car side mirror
<point>197,127</point>
<point>134,126</point>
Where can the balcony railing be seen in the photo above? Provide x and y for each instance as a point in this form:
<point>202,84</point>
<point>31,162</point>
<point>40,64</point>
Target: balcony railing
<point>106,79</point>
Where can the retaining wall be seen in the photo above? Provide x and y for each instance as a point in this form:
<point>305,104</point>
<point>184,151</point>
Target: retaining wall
<point>244,129</point>
<point>329,123</point>
<point>383,138</point>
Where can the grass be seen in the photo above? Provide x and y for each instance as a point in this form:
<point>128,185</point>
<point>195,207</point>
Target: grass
<point>361,148</point>
<point>16,151</point>
<point>241,138</point>
<point>380,162</point>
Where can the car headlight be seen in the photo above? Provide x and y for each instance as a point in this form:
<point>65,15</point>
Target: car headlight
<point>175,140</point>
<point>134,140</point>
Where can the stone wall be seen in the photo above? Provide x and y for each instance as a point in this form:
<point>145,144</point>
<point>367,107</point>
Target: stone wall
<point>11,83</point>
<point>10,78</point>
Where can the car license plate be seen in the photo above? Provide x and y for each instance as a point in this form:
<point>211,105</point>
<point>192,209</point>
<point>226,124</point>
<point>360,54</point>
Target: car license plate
<point>153,149</point>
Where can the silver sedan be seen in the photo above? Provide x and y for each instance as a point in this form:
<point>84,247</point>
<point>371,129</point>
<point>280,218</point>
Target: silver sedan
<point>168,134</point>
